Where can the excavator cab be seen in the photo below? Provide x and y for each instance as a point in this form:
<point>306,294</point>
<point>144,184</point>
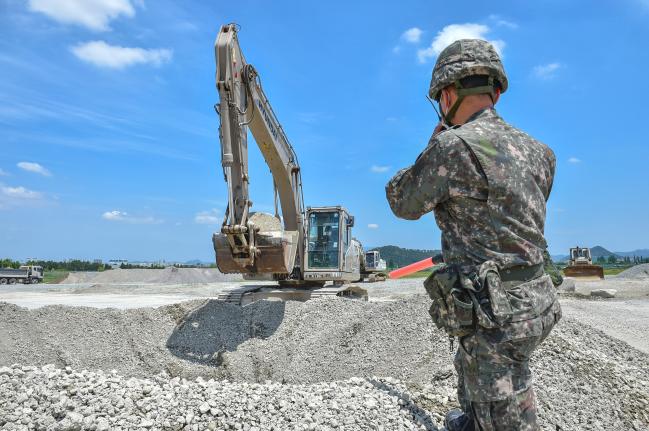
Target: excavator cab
<point>331,252</point>
<point>324,244</point>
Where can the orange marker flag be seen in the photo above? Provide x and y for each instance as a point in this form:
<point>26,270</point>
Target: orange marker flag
<point>413,267</point>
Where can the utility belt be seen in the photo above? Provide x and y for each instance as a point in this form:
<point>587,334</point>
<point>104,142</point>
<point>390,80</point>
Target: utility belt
<point>467,296</point>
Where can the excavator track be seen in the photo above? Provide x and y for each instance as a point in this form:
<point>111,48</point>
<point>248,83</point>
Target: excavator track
<point>245,295</point>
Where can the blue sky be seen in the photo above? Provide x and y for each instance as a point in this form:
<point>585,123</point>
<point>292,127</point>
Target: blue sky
<point>109,142</point>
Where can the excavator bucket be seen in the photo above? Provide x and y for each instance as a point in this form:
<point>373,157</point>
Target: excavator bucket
<point>276,249</point>
<point>584,272</point>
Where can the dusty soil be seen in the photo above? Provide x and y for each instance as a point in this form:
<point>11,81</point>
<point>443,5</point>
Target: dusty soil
<point>581,367</point>
<point>169,275</point>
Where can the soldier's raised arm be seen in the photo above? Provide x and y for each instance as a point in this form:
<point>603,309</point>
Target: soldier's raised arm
<point>416,190</point>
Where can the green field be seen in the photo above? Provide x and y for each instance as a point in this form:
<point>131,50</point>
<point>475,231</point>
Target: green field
<point>614,271</point>
<point>55,276</point>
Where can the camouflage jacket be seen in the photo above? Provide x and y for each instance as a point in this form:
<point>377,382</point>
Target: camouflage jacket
<point>488,184</point>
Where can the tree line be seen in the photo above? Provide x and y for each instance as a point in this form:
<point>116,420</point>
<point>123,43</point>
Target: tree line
<point>51,265</point>
<point>635,260</point>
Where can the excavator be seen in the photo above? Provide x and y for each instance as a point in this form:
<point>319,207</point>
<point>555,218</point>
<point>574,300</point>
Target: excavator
<point>300,250</point>
<point>373,268</point>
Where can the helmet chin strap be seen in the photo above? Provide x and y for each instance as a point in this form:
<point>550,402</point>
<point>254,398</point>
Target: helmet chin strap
<point>442,121</point>
<point>463,92</point>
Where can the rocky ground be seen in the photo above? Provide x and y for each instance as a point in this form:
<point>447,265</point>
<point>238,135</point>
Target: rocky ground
<point>51,398</point>
<point>169,275</point>
<point>274,365</point>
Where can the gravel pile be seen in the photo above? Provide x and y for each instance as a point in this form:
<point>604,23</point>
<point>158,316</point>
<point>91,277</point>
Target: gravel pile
<point>169,275</point>
<point>637,271</point>
<point>584,379</point>
<point>50,398</point>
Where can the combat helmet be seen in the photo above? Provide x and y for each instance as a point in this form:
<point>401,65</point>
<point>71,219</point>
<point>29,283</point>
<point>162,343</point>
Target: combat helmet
<point>463,58</point>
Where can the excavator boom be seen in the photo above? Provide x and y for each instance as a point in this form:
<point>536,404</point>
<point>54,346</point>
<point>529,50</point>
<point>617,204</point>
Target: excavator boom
<point>254,244</point>
<point>302,248</point>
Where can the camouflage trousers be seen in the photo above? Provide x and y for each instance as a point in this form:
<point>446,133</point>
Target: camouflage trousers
<point>494,378</point>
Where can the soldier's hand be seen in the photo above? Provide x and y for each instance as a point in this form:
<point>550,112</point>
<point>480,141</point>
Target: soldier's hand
<point>439,128</point>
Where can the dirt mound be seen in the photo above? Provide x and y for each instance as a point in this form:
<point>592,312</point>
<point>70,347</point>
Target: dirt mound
<point>638,272</point>
<point>577,370</point>
<point>169,275</point>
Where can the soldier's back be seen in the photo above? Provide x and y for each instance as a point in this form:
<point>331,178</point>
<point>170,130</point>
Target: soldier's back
<point>506,222</point>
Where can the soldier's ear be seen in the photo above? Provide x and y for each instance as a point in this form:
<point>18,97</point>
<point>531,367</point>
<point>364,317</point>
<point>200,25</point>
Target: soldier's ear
<point>445,99</point>
<point>496,95</point>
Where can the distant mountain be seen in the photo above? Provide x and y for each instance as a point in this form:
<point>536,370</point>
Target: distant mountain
<point>560,257</point>
<point>599,251</point>
<point>643,252</point>
<point>397,257</point>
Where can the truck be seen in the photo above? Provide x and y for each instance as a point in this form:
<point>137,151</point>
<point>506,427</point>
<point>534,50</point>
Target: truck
<point>26,274</point>
<point>301,249</point>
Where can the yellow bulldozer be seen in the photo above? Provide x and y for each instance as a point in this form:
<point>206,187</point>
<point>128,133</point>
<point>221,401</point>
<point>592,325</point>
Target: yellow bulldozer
<point>581,265</point>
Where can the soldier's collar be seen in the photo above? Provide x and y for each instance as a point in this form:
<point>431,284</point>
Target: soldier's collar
<point>486,112</point>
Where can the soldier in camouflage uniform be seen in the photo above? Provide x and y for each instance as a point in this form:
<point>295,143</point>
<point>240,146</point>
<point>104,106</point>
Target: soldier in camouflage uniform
<point>487,184</point>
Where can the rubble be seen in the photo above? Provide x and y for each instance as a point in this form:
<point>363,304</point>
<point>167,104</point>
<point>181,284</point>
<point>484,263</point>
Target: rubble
<point>603,293</point>
<point>169,275</point>
<point>289,355</point>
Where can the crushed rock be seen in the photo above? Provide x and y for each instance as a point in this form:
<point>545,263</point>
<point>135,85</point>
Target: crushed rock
<point>584,379</point>
<point>637,272</point>
<point>169,275</point>
<point>603,293</point>
<point>71,400</point>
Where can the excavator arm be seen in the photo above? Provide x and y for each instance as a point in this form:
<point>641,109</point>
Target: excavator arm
<point>254,244</point>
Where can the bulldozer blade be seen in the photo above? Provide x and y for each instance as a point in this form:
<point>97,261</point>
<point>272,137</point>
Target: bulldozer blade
<point>584,272</point>
<point>276,252</point>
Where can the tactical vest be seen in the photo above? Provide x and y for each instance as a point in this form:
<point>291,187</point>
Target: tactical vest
<point>517,169</point>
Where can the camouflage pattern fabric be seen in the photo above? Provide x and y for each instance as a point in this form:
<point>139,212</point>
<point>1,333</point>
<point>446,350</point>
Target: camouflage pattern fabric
<point>487,184</point>
<point>464,58</point>
<point>494,378</point>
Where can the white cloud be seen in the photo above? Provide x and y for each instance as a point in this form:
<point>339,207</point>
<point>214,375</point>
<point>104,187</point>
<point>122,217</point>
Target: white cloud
<point>101,54</point>
<point>547,71</point>
<point>412,35</point>
<point>92,14</point>
<point>20,193</point>
<point>18,196</point>
<point>379,169</point>
<point>208,217</point>
<point>3,173</point>
<point>574,160</point>
<point>373,226</point>
<point>34,167</point>
<point>453,32</point>
<point>499,21</point>
<point>121,216</point>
